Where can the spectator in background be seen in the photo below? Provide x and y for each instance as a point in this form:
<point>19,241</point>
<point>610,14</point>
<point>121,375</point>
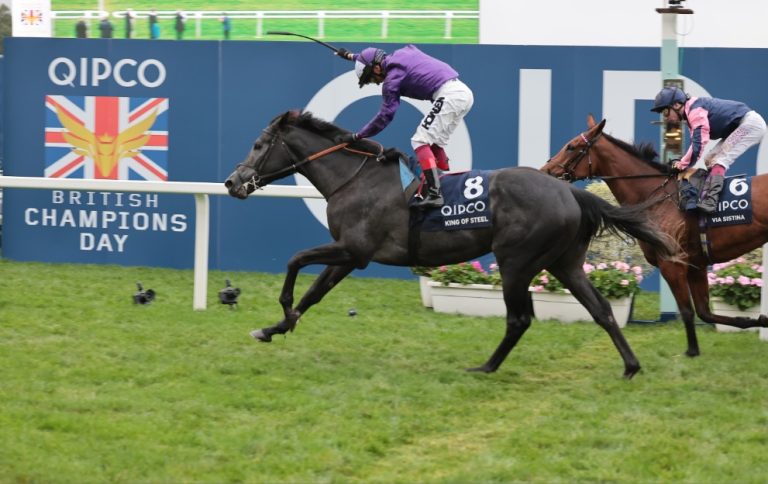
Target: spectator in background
<point>180,24</point>
<point>226,25</point>
<point>106,28</point>
<point>154,27</point>
<point>129,16</point>
<point>81,29</point>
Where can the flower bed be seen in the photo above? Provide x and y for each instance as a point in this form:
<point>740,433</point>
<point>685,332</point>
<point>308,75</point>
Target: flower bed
<point>737,282</point>
<point>467,288</point>
<point>614,280</point>
<point>735,287</point>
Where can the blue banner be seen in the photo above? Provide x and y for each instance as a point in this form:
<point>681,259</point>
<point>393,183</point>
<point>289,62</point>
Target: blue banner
<point>189,111</point>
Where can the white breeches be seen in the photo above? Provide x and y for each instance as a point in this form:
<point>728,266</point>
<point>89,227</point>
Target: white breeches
<point>750,132</point>
<point>451,103</point>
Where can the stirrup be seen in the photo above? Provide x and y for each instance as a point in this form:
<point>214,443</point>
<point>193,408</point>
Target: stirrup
<point>706,206</point>
<point>431,201</point>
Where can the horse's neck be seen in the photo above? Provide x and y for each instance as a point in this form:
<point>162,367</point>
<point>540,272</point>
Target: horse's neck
<point>633,189</point>
<point>332,172</point>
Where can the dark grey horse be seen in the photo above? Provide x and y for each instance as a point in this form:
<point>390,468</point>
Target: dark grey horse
<point>537,223</point>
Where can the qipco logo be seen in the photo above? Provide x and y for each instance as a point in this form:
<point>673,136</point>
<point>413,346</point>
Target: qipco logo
<point>92,71</point>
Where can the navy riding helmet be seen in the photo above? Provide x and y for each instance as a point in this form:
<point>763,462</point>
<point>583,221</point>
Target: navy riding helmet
<point>667,97</point>
<point>365,62</point>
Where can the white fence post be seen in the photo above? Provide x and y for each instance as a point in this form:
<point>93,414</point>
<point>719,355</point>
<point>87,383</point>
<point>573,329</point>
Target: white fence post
<point>202,227</point>
<point>448,22</point>
<point>259,24</point>
<point>384,24</point>
<point>320,25</point>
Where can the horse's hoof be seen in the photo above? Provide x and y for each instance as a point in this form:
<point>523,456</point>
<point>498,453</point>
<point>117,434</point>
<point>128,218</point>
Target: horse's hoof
<point>692,353</point>
<point>630,372</point>
<point>763,321</point>
<point>482,369</point>
<point>259,335</point>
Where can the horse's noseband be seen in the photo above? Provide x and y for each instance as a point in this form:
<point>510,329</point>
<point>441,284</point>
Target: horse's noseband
<point>258,181</point>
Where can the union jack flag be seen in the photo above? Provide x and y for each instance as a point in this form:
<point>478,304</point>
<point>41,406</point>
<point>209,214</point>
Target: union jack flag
<point>31,17</point>
<point>121,138</point>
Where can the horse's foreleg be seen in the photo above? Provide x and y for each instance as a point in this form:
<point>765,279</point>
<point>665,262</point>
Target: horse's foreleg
<point>326,281</point>
<point>340,263</point>
<point>697,279</point>
<point>675,275</point>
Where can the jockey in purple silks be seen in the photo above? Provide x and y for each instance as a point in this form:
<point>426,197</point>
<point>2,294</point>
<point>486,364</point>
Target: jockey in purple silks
<point>411,73</point>
<point>735,124</point>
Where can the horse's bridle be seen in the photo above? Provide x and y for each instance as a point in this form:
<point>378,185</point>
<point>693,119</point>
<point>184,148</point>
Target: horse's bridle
<point>570,166</point>
<point>258,181</point>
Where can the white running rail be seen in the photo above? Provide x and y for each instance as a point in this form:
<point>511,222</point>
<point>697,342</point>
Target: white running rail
<point>260,15</point>
<point>200,190</point>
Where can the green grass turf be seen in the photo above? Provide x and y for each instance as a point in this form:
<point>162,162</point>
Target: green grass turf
<point>96,389</point>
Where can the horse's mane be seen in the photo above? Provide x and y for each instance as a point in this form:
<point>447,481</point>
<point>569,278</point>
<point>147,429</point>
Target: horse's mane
<point>308,121</point>
<point>644,151</point>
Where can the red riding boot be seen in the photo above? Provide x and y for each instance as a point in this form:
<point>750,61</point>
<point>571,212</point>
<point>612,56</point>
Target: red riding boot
<point>434,196</point>
<point>441,159</point>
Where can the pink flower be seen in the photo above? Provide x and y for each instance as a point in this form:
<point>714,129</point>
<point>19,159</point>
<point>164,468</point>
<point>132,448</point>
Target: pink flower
<point>757,282</point>
<point>476,265</point>
<point>544,279</point>
<point>602,266</point>
<point>624,282</point>
<point>622,266</point>
<point>744,280</point>
<point>637,270</point>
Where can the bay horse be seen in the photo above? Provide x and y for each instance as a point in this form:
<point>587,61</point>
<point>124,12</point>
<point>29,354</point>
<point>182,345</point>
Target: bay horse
<point>633,175</point>
<point>538,223</point>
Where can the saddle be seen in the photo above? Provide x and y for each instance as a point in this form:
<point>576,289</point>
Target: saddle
<point>734,207</point>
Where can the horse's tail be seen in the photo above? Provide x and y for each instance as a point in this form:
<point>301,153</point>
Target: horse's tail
<point>598,216</point>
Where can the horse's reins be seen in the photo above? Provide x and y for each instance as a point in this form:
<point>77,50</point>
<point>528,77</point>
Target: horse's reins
<point>570,166</point>
<point>258,181</point>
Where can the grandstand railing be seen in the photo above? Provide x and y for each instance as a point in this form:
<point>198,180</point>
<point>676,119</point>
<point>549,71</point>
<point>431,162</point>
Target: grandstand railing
<point>200,190</point>
<point>260,15</point>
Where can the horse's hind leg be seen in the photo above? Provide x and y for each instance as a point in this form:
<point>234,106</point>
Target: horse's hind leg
<point>675,275</point>
<point>519,311</point>
<point>697,280</point>
<point>600,309</point>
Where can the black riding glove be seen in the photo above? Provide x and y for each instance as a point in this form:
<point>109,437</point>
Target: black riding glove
<point>674,169</point>
<point>346,138</point>
<point>344,53</point>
